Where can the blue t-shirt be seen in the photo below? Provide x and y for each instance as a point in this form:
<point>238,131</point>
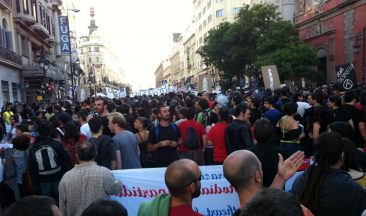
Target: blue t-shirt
<point>273,115</point>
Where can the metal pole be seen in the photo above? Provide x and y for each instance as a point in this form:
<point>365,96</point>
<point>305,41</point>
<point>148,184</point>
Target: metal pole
<point>71,66</point>
<point>363,56</point>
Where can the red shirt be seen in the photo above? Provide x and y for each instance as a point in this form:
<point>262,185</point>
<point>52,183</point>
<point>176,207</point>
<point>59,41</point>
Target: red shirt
<point>217,136</point>
<point>183,126</point>
<point>183,210</point>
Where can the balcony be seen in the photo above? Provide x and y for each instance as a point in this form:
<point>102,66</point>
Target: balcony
<point>41,31</point>
<point>6,5</point>
<point>10,58</point>
<point>25,19</point>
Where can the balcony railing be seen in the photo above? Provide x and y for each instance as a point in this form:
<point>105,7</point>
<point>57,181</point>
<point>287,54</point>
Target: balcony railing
<point>10,56</point>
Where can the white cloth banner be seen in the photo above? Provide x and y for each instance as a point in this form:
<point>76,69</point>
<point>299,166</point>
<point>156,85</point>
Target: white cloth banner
<point>217,197</point>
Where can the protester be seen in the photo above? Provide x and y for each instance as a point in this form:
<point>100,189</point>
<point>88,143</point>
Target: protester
<point>125,142</point>
<point>86,182</point>
<point>183,179</point>
<point>102,111</point>
<point>34,206</point>
<point>105,208</point>
<point>84,126</point>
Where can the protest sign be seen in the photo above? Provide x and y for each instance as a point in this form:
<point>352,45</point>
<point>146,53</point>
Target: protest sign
<point>270,77</point>
<point>217,197</point>
<point>346,76</point>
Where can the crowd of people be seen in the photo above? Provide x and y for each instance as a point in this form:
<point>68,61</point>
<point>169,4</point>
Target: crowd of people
<point>62,153</point>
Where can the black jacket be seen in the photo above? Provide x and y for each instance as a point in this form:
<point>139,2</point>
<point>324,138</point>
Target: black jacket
<point>238,136</point>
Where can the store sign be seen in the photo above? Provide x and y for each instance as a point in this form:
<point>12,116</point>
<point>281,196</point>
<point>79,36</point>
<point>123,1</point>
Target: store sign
<point>64,34</point>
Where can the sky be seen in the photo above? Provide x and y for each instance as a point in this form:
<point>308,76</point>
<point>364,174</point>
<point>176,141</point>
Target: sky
<point>139,31</point>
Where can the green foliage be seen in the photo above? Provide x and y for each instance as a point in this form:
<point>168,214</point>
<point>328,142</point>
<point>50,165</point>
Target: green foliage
<point>258,37</point>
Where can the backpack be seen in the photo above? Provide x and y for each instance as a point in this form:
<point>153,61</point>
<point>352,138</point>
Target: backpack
<point>47,159</point>
<point>206,118</point>
<point>192,139</point>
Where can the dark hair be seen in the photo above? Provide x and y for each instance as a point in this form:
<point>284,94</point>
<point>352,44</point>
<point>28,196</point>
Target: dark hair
<point>336,100</point>
<point>15,117</point>
<point>64,117</point>
<point>82,114</point>
<point>284,91</point>
<point>241,108</point>
<point>224,114</point>
<point>203,103</point>
<point>263,130</point>
<point>349,96</point>
<point>237,99</point>
<point>86,151</point>
<point>290,108</point>
<point>183,111</point>
<point>123,109</point>
<point>255,101</point>
<point>72,131</point>
<point>273,202</point>
<point>190,114</point>
<point>342,128</point>
<point>57,107</point>
<point>318,96</point>
<point>22,127</point>
<point>104,207</point>
<point>328,149</point>
<point>32,206</point>
<point>143,121</point>
<point>105,101</point>
<point>95,124</point>
<point>270,100</point>
<point>21,143</point>
<point>111,107</point>
<point>44,128</point>
<point>350,156</point>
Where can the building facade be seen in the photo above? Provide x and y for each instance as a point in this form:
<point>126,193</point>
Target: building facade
<point>101,67</point>
<point>335,29</point>
<point>286,8</point>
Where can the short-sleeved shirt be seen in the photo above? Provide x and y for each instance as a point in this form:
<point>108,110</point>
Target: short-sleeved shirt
<point>273,115</point>
<point>217,136</point>
<point>164,155</point>
<point>198,127</point>
<point>126,143</point>
<point>106,150</point>
<point>357,116</point>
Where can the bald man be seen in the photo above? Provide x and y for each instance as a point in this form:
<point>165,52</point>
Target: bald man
<point>183,179</point>
<point>243,170</point>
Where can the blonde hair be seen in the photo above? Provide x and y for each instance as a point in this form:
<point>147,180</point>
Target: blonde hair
<point>119,119</point>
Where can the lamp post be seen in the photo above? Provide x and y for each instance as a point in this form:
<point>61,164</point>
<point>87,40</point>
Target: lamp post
<point>71,65</point>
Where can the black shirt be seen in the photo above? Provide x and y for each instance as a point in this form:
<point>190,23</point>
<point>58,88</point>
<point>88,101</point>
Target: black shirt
<point>164,155</point>
<point>268,155</point>
<point>106,150</point>
<point>340,194</point>
<point>106,130</point>
<point>338,114</point>
<point>357,116</point>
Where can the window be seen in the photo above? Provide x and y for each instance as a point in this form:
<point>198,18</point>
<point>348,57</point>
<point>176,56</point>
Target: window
<point>204,11</point>
<point>34,10</point>
<point>201,40</point>
<point>90,60</point>
<point>97,59</point>
<point>204,24</point>
<point>218,1</point>
<point>220,13</point>
<point>200,28</point>
<point>208,4</point>
<point>209,19</point>
<point>25,7</point>
<point>5,90</point>
<point>15,91</point>
<point>17,2</point>
<point>25,47</point>
<point>199,15</point>
<point>81,51</point>
<point>90,49</point>
<point>96,49</point>
<point>236,10</point>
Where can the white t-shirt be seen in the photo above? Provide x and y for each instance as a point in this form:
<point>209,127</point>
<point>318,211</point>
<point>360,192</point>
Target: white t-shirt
<point>85,129</point>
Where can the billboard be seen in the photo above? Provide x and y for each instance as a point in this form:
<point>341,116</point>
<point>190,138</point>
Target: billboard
<point>64,34</point>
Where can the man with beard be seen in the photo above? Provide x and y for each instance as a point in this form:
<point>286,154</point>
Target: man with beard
<point>183,179</point>
<point>101,108</point>
<point>163,139</point>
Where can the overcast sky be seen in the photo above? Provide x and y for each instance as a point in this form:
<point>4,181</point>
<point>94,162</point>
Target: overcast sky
<point>140,31</point>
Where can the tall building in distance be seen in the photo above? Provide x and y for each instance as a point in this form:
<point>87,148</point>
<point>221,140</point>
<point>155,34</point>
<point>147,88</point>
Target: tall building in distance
<point>102,72</point>
<point>286,8</point>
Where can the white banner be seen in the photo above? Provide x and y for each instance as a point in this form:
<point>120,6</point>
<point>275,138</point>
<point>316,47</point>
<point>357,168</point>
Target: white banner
<point>217,197</point>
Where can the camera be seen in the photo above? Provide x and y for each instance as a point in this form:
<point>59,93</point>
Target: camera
<point>94,113</point>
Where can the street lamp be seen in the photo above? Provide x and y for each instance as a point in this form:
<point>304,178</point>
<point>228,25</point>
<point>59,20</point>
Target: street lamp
<point>71,65</point>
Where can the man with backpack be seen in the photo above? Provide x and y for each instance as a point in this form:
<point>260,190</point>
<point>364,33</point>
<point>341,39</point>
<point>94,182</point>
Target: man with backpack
<point>48,161</point>
<point>163,139</point>
<point>205,114</point>
<point>193,139</point>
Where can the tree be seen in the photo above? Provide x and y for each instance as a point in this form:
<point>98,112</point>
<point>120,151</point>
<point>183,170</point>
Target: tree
<point>258,37</point>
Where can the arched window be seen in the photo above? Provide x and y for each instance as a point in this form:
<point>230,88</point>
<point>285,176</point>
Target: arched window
<point>6,36</point>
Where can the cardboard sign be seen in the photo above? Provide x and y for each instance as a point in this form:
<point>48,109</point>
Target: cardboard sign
<point>346,76</point>
<point>270,77</point>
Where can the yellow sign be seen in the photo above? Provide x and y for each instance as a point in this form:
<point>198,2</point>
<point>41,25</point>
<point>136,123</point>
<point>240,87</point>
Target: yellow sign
<point>39,97</point>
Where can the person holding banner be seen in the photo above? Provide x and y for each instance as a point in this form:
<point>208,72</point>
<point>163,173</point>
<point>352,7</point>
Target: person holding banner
<point>183,179</point>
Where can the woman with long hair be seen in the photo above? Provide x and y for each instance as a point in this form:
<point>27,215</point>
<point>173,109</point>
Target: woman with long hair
<point>325,188</point>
